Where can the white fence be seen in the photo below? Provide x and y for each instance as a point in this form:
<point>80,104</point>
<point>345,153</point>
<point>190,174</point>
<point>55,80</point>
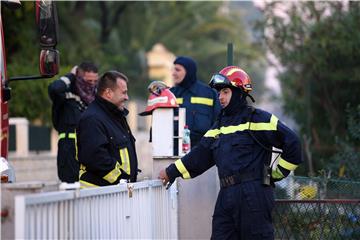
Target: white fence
<point>126,211</point>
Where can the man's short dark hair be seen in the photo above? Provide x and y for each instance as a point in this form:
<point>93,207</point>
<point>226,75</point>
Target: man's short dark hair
<point>88,67</point>
<point>108,80</point>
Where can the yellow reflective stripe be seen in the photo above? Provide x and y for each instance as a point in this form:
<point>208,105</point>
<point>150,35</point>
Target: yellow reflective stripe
<point>125,163</point>
<point>82,170</point>
<point>202,100</point>
<point>181,168</point>
<point>70,135</point>
<point>76,149</point>
<point>84,184</point>
<point>212,133</point>
<point>287,165</point>
<point>277,174</point>
<point>113,175</point>
<point>270,126</point>
<point>179,100</point>
<point>61,136</point>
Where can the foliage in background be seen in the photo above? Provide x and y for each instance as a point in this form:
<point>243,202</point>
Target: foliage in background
<point>117,35</point>
<point>345,162</point>
<point>318,46</point>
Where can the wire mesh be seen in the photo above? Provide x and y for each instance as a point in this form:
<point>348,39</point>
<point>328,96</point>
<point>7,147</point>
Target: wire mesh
<point>317,208</point>
<point>317,219</point>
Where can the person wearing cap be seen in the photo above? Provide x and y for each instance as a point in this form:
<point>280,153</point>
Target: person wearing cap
<point>106,144</point>
<point>200,101</point>
<point>240,145</point>
<point>70,96</point>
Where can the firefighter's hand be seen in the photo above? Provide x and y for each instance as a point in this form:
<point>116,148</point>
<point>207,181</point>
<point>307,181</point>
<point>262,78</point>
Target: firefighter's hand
<point>74,69</point>
<point>163,177</point>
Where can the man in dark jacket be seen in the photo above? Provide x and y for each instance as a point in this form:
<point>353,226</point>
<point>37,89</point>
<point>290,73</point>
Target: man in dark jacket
<point>201,102</point>
<point>240,145</point>
<point>70,96</point>
<point>106,145</point>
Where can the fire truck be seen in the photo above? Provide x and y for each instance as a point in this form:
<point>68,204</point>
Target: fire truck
<point>47,27</point>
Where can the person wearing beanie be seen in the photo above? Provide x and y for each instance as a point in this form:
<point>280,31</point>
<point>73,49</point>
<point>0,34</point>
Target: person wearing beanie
<point>200,101</point>
<point>240,144</point>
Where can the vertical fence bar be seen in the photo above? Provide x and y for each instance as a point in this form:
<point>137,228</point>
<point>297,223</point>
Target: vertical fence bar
<point>20,217</point>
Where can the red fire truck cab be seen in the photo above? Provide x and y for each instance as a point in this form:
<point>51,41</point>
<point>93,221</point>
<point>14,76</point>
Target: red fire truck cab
<point>47,25</point>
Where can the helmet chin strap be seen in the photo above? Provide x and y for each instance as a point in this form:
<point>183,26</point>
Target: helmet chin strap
<point>247,95</point>
<point>251,97</point>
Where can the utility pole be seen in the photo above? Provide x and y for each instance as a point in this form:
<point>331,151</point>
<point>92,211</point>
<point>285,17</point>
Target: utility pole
<point>230,54</point>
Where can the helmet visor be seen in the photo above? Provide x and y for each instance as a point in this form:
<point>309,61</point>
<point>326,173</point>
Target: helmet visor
<point>219,81</point>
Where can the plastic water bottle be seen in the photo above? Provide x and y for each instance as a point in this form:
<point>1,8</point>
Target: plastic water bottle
<point>186,144</point>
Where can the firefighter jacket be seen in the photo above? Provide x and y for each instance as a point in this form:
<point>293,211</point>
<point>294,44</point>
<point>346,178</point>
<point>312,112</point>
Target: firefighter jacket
<point>202,108</point>
<point>67,108</point>
<point>230,146</point>
<point>106,145</point>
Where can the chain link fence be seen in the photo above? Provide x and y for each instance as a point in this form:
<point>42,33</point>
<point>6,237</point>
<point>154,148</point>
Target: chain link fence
<point>317,208</point>
<point>306,188</point>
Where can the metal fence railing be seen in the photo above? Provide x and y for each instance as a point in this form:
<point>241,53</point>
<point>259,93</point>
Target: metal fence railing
<point>126,211</point>
<point>317,219</point>
<point>306,188</point>
<point>146,210</point>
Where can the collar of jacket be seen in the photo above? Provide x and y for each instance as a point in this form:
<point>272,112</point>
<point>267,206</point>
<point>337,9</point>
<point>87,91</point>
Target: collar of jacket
<point>193,89</point>
<point>111,107</point>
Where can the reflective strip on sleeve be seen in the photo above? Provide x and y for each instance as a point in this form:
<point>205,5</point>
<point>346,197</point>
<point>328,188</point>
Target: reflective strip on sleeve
<point>61,135</point>
<point>84,184</point>
<point>287,165</point>
<point>181,168</point>
<point>113,175</point>
<point>72,135</point>
<point>262,126</point>
<point>277,174</point>
<point>179,100</point>
<point>125,161</point>
<point>202,100</point>
<point>69,135</point>
<point>70,95</point>
<point>66,80</point>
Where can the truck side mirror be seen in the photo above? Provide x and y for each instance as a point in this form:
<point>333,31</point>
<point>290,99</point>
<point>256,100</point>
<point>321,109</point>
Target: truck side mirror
<point>11,4</point>
<point>47,21</point>
<point>49,62</point>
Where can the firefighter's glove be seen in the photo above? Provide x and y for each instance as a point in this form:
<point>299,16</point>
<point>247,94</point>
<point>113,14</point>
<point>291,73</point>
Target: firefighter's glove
<point>276,174</point>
